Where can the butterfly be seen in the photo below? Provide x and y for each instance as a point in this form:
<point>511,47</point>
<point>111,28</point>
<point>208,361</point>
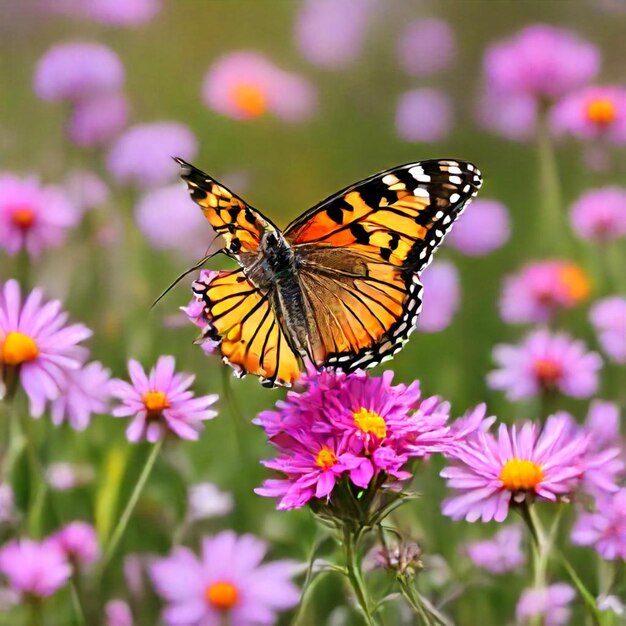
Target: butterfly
<point>339,287</point>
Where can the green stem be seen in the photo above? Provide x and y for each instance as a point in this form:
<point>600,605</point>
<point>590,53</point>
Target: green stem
<point>350,540</point>
<point>35,615</point>
<point>130,505</point>
<point>585,594</point>
<point>414,601</point>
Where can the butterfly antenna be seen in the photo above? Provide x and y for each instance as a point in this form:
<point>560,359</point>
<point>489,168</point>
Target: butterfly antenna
<point>197,266</point>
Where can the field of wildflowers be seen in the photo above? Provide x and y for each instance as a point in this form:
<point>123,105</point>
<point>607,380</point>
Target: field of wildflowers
<point>478,477</point>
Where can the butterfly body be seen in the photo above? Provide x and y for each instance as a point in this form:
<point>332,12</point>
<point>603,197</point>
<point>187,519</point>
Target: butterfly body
<point>340,286</point>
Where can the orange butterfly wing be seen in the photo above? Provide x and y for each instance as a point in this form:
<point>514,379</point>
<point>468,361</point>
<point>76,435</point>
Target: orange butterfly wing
<point>243,319</point>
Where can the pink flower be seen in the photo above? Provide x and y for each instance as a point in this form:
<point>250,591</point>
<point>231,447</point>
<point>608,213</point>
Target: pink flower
<point>551,603</point>
<point>194,312</point>
<point>545,362</point>
<point>76,70</point>
<point>481,230</point>
<point>441,297</point>
<point>161,402</point>
<point>65,476</point>
<point>84,391</point>
<point>608,317</point>
<point>118,613</point>
<point>512,116</point>
<point>142,155</point>
<point>245,84</point>
<point>86,189</point>
<point>541,61</point>
<point>40,569</point>
<point>206,500</point>
<point>490,472</point>
<point>604,529</point>
<point>592,113</point>
<point>35,342</point>
<point>331,33</point>
<point>503,553</point>
<point>226,583</point>
<point>424,115</point>
<point>600,214</point>
<point>122,12</point>
<point>426,46</point>
<point>33,217</point>
<point>95,121</point>
<point>170,220</point>
<point>78,542</point>
<point>541,290</point>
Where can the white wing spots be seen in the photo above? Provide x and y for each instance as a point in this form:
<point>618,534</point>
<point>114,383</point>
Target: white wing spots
<point>420,192</point>
<point>416,171</point>
<point>390,179</point>
<point>455,197</point>
<point>456,180</point>
<point>454,169</point>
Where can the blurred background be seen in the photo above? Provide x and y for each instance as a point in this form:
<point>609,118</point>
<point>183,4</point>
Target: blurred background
<point>285,102</point>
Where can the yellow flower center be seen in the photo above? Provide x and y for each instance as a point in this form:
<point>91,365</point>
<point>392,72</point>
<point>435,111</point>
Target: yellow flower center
<point>575,281</point>
<point>23,217</point>
<point>325,458</point>
<point>601,111</point>
<point>221,595</point>
<point>519,474</point>
<point>155,401</point>
<point>370,422</point>
<point>548,371</point>
<point>18,348</point>
<point>249,99</point>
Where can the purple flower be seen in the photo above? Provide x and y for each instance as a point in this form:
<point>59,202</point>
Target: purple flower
<point>551,603</point>
<point>7,504</point>
<point>35,341</point>
<point>84,391</point>
<point>330,33</point>
<point>206,500</point>
<point>226,583</point>
<point>78,542</point>
<point>86,189</point>
<point>76,70</point>
<point>541,290</point>
<point>142,155</point>
<point>591,114</point>
<point>118,613</point>
<point>169,219</point>
<point>65,476</point>
<point>245,84</point>
<point>600,214</point>
<point>33,217</point>
<point>426,46</point>
<point>95,121</point>
<point>500,554</point>
<point>512,116</point>
<point>481,230</point>
<point>39,569</point>
<point>541,61</point>
<point>441,297</point>
<point>608,317</point>
<point>605,528</point>
<point>545,362</point>
<point>194,312</point>
<point>350,425</point>
<point>424,115</point>
<point>122,12</point>
<point>489,472</point>
<point>160,402</point>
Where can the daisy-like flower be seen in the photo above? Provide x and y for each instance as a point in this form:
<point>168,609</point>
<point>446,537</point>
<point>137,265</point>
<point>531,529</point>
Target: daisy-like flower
<point>206,500</point>
<point>545,362</point>
<point>502,553</point>
<point>95,121</point>
<point>599,215</point>
<point>522,462</point>
<point>65,476</point>
<point>118,613</point>
<point>36,343</point>
<point>122,12</point>
<point>86,189</point>
<point>441,284</point>
<point>542,289</point>
<point>593,113</point>
<point>194,311</point>
<point>33,217</point>
<point>551,604</point>
<point>512,116</point>
<point>77,70</point>
<point>427,46</point>
<point>85,391</point>
<point>227,583</point>
<point>78,542</point>
<point>142,154</point>
<point>608,317</point>
<point>245,84</point>
<point>38,569</point>
<point>424,115</point>
<point>482,230</point>
<point>161,402</point>
<point>541,61</point>
<point>605,528</point>
<point>351,426</point>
